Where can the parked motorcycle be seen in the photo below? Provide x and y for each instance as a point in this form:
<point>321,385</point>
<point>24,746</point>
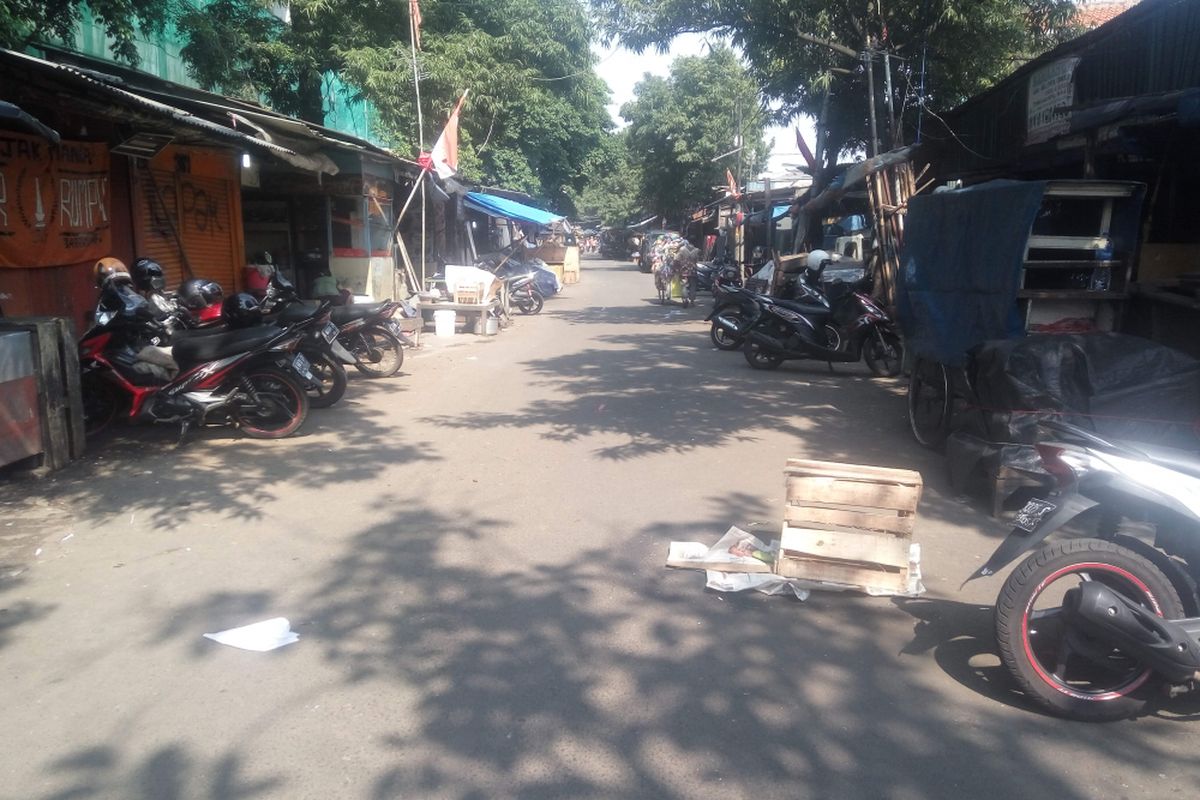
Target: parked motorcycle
<point>1091,627</point>
<point>522,288</point>
<point>843,324</point>
<point>253,379</point>
<point>373,341</point>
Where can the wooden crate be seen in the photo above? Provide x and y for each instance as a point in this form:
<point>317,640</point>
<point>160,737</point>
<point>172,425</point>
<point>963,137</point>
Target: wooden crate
<point>468,293</point>
<point>848,524</point>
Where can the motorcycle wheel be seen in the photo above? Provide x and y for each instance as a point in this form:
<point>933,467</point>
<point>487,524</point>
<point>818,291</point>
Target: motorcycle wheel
<point>723,339</point>
<point>1066,671</point>
<point>929,403</point>
<point>101,402</point>
<point>531,304</point>
<point>330,373</point>
<point>884,353</point>
<point>377,353</point>
<point>759,358</point>
<point>281,409</point>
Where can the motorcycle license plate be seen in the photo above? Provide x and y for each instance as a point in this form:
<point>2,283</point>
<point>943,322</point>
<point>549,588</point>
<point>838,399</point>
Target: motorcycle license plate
<point>329,332</point>
<point>394,327</point>
<point>301,365</point>
<point>1029,517</point>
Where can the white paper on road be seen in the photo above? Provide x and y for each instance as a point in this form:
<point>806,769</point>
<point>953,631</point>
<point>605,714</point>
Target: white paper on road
<point>742,581</point>
<point>259,637</point>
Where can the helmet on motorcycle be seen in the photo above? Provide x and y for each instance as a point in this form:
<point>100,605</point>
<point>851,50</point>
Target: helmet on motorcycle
<point>148,275</point>
<point>240,310</point>
<point>108,269</point>
<point>198,293</point>
<point>816,258</point>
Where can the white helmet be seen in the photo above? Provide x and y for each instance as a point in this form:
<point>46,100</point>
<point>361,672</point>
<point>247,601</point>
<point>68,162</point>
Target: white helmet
<point>816,258</point>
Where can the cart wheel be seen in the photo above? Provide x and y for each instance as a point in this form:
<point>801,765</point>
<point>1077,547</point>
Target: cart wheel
<point>929,403</point>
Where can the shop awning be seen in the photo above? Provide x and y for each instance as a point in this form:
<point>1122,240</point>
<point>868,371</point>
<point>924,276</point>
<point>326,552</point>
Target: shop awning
<point>509,209</point>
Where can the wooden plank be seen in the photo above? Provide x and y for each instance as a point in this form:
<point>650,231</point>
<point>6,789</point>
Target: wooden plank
<point>74,395</point>
<point>855,576</point>
<point>834,469</point>
<point>56,437</point>
<point>869,548</point>
<point>802,516</point>
<point>821,492</point>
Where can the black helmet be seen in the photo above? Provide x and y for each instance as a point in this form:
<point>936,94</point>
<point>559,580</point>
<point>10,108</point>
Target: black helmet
<point>240,310</point>
<point>148,275</point>
<point>198,293</point>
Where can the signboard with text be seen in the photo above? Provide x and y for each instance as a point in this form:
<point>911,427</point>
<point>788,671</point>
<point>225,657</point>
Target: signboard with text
<point>54,202</point>
<point>1051,92</point>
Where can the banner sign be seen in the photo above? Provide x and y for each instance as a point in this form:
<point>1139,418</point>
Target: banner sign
<point>1051,90</point>
<point>54,202</point>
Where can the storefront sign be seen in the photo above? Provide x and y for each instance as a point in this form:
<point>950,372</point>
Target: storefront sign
<point>1051,90</point>
<point>54,202</point>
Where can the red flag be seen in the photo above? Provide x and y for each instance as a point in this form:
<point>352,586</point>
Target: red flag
<point>804,151</point>
<point>414,14</point>
<point>444,156</point>
<point>733,187</point>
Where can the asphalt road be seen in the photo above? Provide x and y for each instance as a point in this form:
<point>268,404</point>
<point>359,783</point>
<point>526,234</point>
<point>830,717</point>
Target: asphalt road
<point>473,555</point>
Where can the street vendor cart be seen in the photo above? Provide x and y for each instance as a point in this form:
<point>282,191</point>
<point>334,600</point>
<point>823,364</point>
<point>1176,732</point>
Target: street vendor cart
<point>1009,295</point>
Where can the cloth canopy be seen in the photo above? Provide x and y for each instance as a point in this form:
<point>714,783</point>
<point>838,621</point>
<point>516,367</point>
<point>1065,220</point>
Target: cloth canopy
<point>509,209</point>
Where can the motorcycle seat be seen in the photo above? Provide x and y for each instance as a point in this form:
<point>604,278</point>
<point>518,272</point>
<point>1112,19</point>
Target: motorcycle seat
<point>209,347</point>
<point>343,314</point>
<point>296,312</point>
<point>807,309</point>
<point>1179,460</point>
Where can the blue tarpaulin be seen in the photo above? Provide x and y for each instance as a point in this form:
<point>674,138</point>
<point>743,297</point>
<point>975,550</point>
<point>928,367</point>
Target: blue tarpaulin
<point>510,209</point>
<point>961,267</point>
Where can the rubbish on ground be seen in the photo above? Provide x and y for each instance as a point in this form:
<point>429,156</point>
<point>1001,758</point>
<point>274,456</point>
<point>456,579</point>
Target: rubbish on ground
<point>736,551</point>
<point>737,562</point>
<point>845,527</point>
<point>259,637</point>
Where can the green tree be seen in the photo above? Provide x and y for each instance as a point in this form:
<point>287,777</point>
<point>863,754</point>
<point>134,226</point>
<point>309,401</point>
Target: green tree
<point>679,126</point>
<point>612,188</point>
<point>536,106</point>
<point>24,22</point>
<point>799,49</point>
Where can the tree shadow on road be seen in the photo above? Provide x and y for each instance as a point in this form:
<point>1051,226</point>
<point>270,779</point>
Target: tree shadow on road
<point>219,473</point>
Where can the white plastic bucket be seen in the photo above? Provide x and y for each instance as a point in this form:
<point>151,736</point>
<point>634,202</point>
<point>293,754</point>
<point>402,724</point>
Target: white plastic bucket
<point>491,326</point>
<point>443,322</point>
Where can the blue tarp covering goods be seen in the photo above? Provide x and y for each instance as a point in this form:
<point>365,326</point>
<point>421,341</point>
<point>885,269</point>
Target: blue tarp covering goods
<point>961,267</point>
<point>509,209</point>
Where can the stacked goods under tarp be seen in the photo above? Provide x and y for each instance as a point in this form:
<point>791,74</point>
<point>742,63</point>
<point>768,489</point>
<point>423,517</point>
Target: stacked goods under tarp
<point>1121,387</point>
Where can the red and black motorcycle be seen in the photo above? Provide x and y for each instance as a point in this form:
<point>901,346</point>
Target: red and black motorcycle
<point>250,378</point>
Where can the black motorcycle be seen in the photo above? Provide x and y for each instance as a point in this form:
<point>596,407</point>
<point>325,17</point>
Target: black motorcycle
<point>842,324</point>
<point>370,340</point>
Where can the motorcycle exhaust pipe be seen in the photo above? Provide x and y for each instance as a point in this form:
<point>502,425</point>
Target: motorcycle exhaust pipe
<point>728,324</point>
<point>1169,647</point>
<point>767,341</point>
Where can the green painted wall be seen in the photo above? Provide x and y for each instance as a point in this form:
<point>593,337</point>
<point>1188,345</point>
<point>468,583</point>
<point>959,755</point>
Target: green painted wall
<point>161,57</point>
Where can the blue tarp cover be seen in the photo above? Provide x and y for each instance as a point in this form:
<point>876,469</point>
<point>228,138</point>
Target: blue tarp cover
<point>961,267</point>
<point>509,209</point>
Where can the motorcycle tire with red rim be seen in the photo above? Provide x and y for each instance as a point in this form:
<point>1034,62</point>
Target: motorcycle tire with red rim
<point>281,409</point>
<point>1065,671</point>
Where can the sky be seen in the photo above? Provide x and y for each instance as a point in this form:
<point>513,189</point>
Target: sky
<point>621,69</point>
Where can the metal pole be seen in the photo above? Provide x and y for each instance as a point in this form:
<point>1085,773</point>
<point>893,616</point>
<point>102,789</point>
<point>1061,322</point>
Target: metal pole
<point>412,40</point>
<point>868,56</point>
<point>921,106</point>
<point>887,87</point>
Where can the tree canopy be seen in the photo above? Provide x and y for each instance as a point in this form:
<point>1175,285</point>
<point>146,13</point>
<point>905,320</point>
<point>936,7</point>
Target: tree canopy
<point>23,22</point>
<point>536,106</point>
<point>681,125</point>
<point>797,49</point>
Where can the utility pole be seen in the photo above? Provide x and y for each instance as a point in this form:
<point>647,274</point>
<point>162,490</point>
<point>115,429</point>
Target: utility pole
<point>869,57</point>
<point>887,87</point>
<point>921,105</point>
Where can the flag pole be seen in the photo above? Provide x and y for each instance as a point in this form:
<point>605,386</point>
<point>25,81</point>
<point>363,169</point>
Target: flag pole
<point>412,40</point>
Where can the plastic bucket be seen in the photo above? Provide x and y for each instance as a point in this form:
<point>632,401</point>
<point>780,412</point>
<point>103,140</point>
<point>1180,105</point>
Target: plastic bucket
<point>443,322</point>
<point>491,326</point>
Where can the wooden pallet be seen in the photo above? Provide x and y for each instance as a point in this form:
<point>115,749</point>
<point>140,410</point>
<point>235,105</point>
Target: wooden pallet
<point>848,524</point>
